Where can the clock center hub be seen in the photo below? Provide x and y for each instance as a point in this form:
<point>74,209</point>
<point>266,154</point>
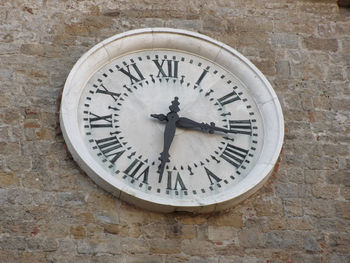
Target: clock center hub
<point>135,113</point>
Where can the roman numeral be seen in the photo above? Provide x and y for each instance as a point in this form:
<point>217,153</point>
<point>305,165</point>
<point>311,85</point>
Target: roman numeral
<point>234,155</point>
<point>229,98</point>
<point>241,126</point>
<point>172,68</point>
<point>178,182</point>
<point>104,90</point>
<point>212,176</point>
<point>111,148</point>
<point>100,121</point>
<point>201,77</point>
<point>132,77</point>
<point>134,170</point>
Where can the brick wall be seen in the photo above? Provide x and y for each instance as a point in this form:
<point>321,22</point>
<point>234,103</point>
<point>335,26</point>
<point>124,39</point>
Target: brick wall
<point>50,211</point>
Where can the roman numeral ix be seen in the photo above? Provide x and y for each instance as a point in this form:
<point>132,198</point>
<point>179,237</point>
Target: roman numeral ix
<point>100,121</point>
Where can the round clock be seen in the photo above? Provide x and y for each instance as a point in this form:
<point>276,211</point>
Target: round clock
<point>171,120</point>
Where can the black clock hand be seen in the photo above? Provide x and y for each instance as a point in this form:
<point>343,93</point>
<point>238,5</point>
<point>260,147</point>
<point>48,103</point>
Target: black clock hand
<point>160,117</point>
<point>190,124</point>
<point>169,133</point>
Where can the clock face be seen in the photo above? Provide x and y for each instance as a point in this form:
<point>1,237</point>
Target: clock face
<point>125,139</point>
<point>115,120</point>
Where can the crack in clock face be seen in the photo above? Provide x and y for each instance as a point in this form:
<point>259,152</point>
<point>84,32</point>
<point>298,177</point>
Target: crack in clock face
<point>117,104</point>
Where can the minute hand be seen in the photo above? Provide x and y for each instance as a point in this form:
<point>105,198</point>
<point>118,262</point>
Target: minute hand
<point>205,127</point>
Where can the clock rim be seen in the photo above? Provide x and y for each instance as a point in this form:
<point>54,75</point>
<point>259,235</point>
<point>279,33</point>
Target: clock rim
<point>155,203</point>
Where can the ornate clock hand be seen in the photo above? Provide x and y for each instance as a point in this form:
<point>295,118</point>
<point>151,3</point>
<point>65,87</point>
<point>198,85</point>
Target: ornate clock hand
<point>169,133</point>
<point>190,124</point>
<point>160,117</point>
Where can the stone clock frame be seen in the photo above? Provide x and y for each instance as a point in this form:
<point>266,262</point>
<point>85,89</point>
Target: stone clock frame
<point>188,42</point>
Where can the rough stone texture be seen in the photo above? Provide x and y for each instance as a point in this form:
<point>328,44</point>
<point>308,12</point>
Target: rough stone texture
<point>50,211</point>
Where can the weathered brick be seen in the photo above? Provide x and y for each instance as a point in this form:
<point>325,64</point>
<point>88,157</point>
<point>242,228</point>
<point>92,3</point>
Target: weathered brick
<point>319,207</point>
<point>312,43</point>
<point>107,259</point>
<point>251,238</point>
<point>268,207</point>
<point>197,248</point>
<point>311,243</point>
<point>292,207</point>
<point>306,258</point>
<point>221,233</point>
<point>8,179</point>
<point>109,245</point>
<point>339,242</point>
<point>42,244</point>
<point>78,232</point>
<point>51,212</point>
<point>283,239</point>
<point>143,258</point>
<point>31,257</point>
<point>299,223</point>
<point>233,219</point>
<point>139,246</point>
<point>284,40</point>
<point>343,209</point>
<point>161,246</point>
<point>325,191</point>
<point>345,192</point>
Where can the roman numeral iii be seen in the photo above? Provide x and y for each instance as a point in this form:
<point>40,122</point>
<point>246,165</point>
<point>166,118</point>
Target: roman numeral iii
<point>241,126</point>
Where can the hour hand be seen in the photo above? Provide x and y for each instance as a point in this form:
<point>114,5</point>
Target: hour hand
<point>190,124</point>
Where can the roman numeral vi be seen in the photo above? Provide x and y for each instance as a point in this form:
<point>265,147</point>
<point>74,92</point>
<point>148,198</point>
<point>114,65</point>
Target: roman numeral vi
<point>178,182</point>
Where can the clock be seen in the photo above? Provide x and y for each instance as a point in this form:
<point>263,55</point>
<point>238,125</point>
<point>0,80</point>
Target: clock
<point>171,120</point>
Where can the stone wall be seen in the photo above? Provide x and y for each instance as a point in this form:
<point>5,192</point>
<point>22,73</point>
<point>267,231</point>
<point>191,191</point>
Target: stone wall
<point>50,211</point>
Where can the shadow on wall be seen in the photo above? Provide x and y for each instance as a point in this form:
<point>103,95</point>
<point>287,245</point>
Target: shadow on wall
<point>344,3</point>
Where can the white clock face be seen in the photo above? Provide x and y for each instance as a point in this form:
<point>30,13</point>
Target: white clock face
<point>115,120</point>
<point>171,120</point>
